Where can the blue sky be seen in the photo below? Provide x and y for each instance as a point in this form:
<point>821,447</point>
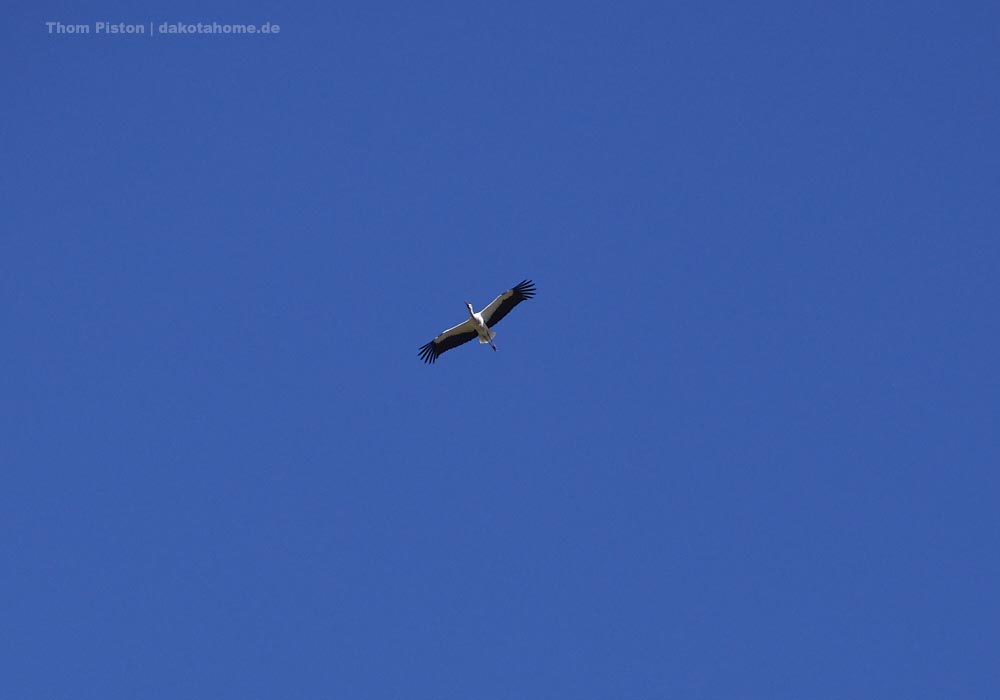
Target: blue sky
<point>743,443</point>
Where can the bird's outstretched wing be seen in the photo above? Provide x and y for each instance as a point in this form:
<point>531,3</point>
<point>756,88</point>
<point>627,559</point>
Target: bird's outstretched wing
<point>502,305</point>
<point>451,338</point>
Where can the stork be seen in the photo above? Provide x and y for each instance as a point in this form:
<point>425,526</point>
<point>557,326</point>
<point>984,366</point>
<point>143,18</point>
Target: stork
<point>478,324</point>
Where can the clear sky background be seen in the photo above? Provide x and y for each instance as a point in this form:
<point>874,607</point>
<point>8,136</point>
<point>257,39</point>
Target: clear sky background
<point>743,443</point>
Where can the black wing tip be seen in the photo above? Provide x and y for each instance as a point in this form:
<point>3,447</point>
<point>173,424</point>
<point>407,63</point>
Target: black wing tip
<point>525,288</point>
<point>428,353</point>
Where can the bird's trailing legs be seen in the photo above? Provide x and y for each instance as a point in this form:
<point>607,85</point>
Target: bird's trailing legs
<point>493,346</point>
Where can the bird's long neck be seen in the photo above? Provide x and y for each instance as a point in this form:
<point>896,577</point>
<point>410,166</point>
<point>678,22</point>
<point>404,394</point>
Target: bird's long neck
<point>471,312</point>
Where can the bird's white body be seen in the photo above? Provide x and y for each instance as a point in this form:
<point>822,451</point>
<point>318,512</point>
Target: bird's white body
<point>484,332</point>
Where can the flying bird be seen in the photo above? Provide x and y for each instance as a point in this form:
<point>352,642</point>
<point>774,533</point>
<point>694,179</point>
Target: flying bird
<point>478,324</point>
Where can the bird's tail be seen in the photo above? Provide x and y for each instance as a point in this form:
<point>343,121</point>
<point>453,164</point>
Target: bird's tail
<point>483,341</point>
